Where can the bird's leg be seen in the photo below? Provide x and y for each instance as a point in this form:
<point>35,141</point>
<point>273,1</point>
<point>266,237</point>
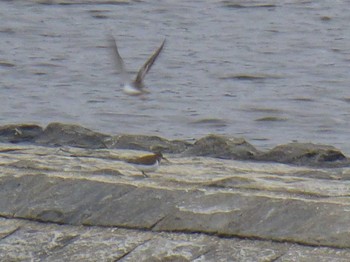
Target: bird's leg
<point>143,173</point>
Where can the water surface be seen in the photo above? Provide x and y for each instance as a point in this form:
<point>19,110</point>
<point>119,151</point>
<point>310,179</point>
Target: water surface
<point>272,72</point>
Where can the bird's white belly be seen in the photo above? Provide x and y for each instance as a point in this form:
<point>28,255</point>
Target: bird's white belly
<point>130,90</point>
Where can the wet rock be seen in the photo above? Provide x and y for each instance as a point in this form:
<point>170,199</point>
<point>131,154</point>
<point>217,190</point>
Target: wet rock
<point>306,154</point>
<point>57,134</point>
<point>222,147</point>
<point>22,133</point>
<point>147,143</point>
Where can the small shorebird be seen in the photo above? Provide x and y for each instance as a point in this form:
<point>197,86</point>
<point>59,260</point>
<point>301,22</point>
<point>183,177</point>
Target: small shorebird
<point>147,163</point>
<point>135,87</point>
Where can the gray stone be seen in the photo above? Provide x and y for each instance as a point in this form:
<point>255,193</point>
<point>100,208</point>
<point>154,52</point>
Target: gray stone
<point>57,134</point>
<point>306,154</point>
<point>222,147</point>
<point>22,133</point>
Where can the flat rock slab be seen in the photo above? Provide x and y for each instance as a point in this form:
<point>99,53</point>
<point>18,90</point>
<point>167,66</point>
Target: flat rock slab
<point>23,240</point>
<point>82,204</point>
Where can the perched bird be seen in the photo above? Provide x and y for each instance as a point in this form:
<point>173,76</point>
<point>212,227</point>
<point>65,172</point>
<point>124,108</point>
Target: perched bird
<point>147,163</point>
<point>135,87</point>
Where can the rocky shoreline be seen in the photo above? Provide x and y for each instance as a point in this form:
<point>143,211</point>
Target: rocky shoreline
<point>217,146</point>
<point>67,194</point>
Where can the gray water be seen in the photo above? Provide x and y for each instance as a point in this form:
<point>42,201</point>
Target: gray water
<point>273,73</point>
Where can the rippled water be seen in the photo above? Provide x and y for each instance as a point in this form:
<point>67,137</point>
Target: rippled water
<point>272,72</point>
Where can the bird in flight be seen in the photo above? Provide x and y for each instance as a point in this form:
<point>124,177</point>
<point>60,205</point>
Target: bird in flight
<point>136,86</point>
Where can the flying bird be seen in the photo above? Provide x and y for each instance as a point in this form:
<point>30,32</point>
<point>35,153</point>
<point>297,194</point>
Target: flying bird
<point>136,86</point>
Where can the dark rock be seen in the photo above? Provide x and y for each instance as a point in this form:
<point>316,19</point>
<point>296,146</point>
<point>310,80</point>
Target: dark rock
<point>222,147</point>
<point>147,143</point>
<point>306,154</point>
<point>19,133</point>
<point>57,134</point>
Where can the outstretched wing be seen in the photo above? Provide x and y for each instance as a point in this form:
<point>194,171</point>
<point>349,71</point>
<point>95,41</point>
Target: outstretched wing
<point>147,66</point>
<point>118,60</point>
